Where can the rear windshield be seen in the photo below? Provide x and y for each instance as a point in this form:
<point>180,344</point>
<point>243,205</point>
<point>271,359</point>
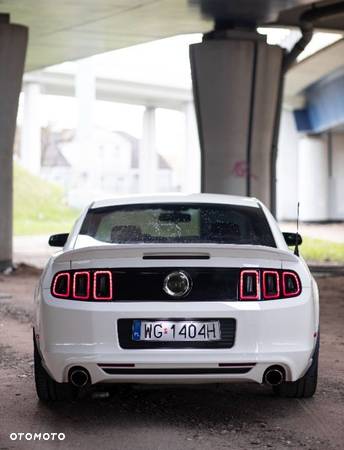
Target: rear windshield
<point>178,223</point>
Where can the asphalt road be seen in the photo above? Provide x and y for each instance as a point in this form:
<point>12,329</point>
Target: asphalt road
<point>235,417</point>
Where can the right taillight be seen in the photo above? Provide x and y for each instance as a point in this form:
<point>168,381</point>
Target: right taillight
<point>271,284</point>
<point>249,285</point>
<point>268,284</point>
<point>290,284</point>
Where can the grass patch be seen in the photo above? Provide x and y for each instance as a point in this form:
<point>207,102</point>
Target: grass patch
<point>39,207</point>
<point>319,250</point>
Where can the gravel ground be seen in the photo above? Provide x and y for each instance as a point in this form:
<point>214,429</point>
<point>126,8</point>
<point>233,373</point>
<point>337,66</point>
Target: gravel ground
<point>235,417</point>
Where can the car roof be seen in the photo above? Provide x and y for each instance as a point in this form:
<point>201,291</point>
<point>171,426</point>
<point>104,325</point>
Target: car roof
<point>177,198</point>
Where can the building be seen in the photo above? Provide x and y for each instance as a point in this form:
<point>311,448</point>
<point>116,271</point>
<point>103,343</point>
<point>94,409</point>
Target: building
<point>110,169</point>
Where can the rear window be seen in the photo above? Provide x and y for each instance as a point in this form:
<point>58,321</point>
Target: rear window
<point>178,223</point>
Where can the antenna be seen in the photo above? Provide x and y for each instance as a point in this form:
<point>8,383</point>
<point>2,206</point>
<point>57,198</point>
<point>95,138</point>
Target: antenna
<point>296,250</point>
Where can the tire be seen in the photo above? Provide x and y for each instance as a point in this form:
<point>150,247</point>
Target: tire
<point>304,387</point>
<point>48,390</point>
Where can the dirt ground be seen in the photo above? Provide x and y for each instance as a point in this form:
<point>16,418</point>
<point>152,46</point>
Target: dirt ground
<point>235,417</point>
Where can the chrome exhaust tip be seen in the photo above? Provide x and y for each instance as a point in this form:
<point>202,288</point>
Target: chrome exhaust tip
<point>274,376</point>
<point>79,377</point>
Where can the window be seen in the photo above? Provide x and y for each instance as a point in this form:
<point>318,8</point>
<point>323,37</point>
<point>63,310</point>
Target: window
<point>178,223</point>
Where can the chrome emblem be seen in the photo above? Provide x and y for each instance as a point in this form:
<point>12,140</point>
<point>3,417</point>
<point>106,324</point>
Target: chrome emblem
<point>177,284</point>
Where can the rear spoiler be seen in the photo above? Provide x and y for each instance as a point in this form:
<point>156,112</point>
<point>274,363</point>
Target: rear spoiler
<point>175,252</point>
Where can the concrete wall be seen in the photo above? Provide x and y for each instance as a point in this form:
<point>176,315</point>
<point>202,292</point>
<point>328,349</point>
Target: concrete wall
<point>313,178</point>
<point>336,188</point>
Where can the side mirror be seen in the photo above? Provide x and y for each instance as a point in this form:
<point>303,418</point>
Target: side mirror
<point>58,240</point>
<point>292,239</point>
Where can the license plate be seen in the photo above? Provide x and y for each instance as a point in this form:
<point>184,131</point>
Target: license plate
<point>171,331</point>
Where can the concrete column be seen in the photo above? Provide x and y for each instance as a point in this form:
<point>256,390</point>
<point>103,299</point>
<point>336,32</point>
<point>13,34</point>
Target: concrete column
<point>13,43</point>
<point>313,178</point>
<point>192,155</point>
<point>148,160</point>
<point>30,144</point>
<point>287,168</point>
<point>236,78</point>
<point>336,173</point>
<point>85,93</point>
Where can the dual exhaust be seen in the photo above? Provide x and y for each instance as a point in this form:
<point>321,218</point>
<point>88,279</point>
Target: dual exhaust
<point>274,376</point>
<point>79,377</point>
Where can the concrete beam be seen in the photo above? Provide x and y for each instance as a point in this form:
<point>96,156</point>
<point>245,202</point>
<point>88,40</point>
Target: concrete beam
<point>13,44</point>
<point>120,91</point>
<point>312,69</point>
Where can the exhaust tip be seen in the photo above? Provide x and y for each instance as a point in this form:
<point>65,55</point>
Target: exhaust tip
<point>274,376</point>
<point>79,377</point>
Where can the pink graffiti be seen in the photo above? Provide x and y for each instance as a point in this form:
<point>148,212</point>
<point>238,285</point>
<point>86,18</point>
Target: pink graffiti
<point>241,170</point>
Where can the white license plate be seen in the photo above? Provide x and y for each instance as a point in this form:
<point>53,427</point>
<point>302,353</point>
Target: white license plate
<point>170,331</point>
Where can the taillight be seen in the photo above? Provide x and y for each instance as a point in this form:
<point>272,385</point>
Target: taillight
<point>291,284</point>
<point>268,284</point>
<point>61,285</point>
<point>249,285</point>
<point>271,284</point>
<point>81,285</point>
<point>102,285</point>
<point>86,285</point>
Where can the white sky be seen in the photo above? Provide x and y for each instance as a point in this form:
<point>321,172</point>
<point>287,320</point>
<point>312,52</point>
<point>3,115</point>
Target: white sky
<point>162,62</point>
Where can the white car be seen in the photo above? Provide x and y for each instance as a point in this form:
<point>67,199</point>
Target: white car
<point>195,288</point>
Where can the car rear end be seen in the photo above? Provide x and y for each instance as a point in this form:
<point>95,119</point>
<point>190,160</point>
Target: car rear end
<point>176,312</point>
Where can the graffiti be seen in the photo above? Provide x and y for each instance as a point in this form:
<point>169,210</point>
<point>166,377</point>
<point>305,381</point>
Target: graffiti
<point>241,170</point>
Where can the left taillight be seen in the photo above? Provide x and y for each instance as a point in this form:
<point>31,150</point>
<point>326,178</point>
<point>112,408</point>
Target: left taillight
<point>87,285</point>
<point>81,285</point>
<point>102,285</point>
<point>61,285</point>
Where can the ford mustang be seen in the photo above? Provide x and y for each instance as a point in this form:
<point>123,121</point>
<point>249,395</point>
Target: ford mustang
<point>197,288</point>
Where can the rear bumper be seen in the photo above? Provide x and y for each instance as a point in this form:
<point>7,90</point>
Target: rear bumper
<point>267,333</point>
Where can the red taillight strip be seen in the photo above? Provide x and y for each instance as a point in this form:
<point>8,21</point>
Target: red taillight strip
<point>59,275</point>
<point>81,297</point>
<point>265,294</point>
<point>297,281</point>
<point>262,292</point>
<point>249,297</point>
<point>102,272</point>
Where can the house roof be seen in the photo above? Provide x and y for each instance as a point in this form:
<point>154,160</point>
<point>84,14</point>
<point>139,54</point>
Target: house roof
<point>135,144</point>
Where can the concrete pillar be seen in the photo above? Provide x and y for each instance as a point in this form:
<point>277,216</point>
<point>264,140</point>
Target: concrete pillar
<point>192,156</point>
<point>85,93</point>
<point>236,78</point>
<point>313,178</point>
<point>30,144</point>
<point>13,43</point>
<point>336,174</point>
<point>287,168</point>
<point>148,160</point>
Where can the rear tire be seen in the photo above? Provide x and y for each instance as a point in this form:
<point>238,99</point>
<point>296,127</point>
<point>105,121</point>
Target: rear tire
<point>304,387</point>
<point>48,390</point>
